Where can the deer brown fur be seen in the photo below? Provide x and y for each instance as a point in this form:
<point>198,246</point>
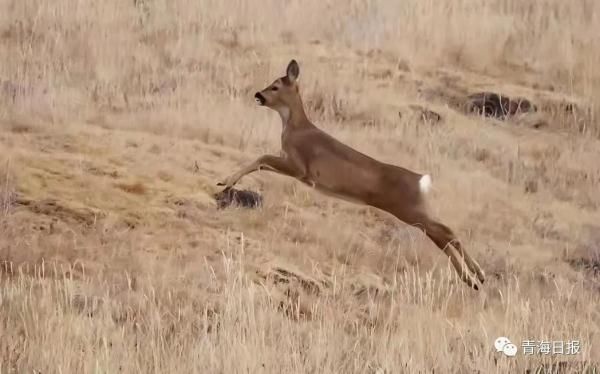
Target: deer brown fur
<point>319,160</point>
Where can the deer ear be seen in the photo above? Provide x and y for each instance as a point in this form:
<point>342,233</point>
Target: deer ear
<point>293,71</point>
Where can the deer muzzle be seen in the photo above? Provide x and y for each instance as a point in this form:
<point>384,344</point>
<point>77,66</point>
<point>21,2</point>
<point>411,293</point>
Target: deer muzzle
<point>260,99</point>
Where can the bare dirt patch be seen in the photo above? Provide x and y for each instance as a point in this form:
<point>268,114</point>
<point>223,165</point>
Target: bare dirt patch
<point>135,188</point>
<point>58,210</point>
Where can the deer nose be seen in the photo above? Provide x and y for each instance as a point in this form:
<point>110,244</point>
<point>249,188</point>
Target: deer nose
<point>260,99</point>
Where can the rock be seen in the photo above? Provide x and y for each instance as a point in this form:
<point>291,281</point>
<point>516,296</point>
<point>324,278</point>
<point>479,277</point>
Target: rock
<point>241,198</point>
<point>498,106</point>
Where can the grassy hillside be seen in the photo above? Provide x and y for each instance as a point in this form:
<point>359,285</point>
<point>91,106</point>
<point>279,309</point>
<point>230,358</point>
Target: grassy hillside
<point>118,118</point>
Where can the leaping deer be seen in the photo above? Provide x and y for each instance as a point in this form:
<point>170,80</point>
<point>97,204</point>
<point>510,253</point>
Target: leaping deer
<point>319,160</point>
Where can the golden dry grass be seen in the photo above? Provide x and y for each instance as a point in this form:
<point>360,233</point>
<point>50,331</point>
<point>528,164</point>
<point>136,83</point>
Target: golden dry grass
<point>117,119</point>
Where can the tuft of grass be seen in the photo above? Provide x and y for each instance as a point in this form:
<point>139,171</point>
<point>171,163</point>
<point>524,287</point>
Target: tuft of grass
<point>7,188</point>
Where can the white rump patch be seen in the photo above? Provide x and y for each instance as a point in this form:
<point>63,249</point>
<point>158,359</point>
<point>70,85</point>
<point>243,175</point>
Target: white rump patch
<point>425,183</point>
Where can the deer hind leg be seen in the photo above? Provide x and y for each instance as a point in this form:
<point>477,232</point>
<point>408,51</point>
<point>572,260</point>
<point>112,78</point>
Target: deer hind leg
<point>471,263</point>
<point>445,239</point>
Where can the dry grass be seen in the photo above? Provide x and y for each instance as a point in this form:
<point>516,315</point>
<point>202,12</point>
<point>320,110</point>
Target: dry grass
<point>117,118</point>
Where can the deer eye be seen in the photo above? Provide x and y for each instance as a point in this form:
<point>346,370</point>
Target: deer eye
<point>274,88</point>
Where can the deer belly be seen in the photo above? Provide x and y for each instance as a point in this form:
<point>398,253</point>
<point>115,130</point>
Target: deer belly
<point>338,195</point>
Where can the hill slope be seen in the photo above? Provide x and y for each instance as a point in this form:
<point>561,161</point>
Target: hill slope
<point>119,119</point>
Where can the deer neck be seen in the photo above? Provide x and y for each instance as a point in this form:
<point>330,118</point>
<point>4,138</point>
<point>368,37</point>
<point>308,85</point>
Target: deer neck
<point>293,116</point>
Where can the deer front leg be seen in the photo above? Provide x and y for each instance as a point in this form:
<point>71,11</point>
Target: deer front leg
<point>267,162</point>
